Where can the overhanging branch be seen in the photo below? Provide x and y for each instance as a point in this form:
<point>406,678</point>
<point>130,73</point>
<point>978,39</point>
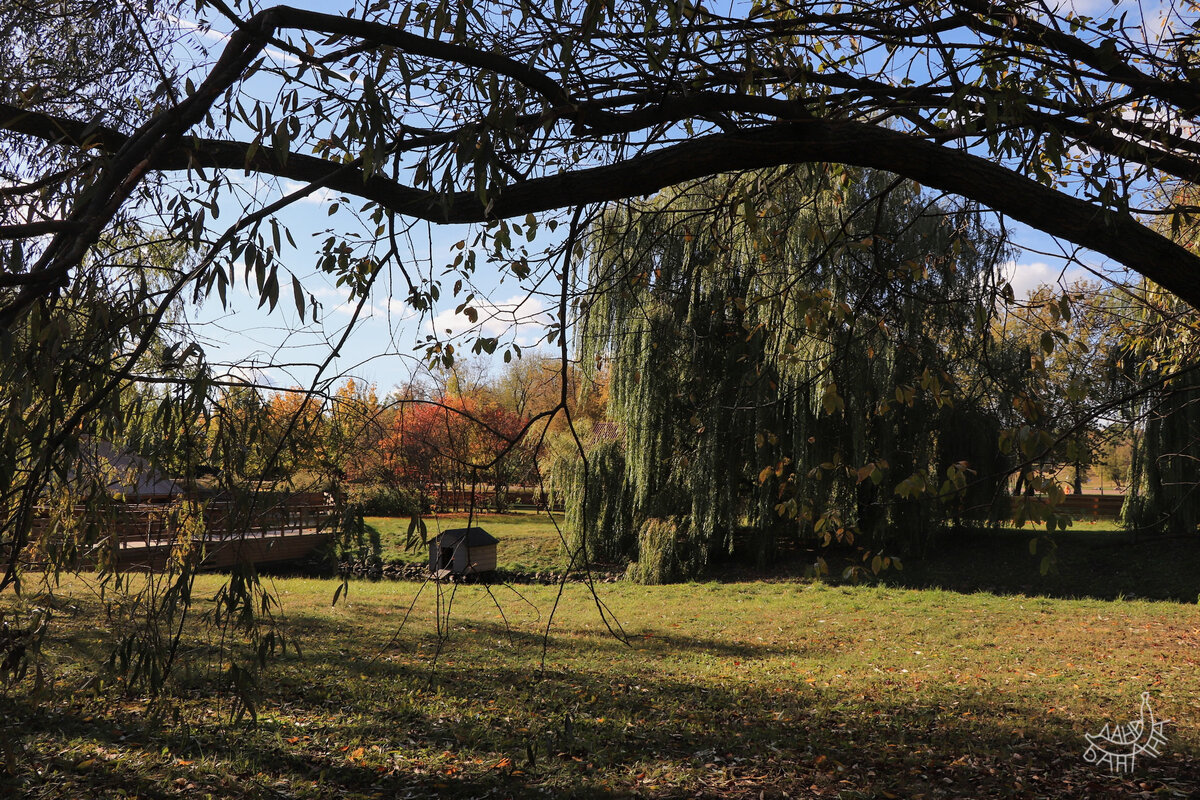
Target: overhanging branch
<point>1116,235</point>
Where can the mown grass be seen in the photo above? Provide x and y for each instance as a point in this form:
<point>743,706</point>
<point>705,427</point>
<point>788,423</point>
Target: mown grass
<point>529,541</point>
<point>733,689</point>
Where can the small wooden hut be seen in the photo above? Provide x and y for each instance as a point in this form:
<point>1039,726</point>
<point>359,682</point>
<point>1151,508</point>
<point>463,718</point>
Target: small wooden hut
<point>463,551</point>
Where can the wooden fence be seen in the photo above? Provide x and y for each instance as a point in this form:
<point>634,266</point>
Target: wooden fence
<point>512,497</point>
<point>1093,505</point>
<point>1086,506</point>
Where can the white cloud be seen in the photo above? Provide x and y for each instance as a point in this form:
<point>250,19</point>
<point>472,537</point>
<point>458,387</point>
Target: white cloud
<point>523,317</point>
<point>1026,278</point>
<point>247,373</point>
<point>336,301</point>
<point>320,197</point>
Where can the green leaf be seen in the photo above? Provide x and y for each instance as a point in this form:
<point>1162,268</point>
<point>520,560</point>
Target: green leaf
<point>417,534</point>
<point>298,296</point>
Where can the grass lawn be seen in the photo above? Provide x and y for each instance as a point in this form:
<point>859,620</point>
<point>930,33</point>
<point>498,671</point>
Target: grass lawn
<point>723,690</point>
<point>529,541</point>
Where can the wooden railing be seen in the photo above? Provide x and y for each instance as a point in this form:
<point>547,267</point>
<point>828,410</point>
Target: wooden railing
<point>224,521</point>
<point>1087,505</point>
<point>151,524</point>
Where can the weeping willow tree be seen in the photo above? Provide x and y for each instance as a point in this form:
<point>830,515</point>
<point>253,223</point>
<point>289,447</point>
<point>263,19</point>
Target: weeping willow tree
<point>1164,487</point>
<point>1166,480</point>
<point>792,354</point>
<point>1160,349</point>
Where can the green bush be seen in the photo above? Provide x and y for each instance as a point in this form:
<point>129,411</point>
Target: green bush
<point>386,501</point>
<point>666,553</point>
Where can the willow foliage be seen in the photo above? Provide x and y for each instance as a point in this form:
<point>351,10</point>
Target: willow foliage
<point>1160,355</point>
<point>792,354</point>
<point>1166,475</point>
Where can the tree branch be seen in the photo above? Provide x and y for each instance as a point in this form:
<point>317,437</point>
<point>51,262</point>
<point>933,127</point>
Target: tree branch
<point>1111,233</point>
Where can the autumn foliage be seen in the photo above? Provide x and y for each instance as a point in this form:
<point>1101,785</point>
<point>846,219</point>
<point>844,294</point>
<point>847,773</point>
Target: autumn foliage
<point>444,443</point>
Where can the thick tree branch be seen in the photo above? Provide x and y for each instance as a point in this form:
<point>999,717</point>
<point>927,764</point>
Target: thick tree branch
<point>796,136</point>
<point>126,169</point>
<point>26,229</point>
<point>1116,235</point>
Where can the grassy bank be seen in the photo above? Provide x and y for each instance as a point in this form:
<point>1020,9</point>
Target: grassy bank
<point>720,689</point>
<point>529,541</point>
<point>1092,559</point>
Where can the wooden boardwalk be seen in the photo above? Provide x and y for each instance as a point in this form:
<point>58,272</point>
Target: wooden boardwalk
<point>223,552</point>
<point>145,538</point>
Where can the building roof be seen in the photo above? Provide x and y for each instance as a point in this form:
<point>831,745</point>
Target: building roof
<point>475,537</point>
<point>127,474</point>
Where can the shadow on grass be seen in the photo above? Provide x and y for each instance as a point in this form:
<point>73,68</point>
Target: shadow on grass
<point>1105,565</point>
<point>1098,564</point>
<point>363,545</point>
<point>494,730</point>
<point>596,642</point>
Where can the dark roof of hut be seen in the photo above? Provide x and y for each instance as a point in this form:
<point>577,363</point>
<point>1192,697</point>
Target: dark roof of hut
<point>476,537</point>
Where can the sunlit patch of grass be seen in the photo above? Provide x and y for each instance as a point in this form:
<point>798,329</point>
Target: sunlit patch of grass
<point>528,540</point>
<point>719,689</point>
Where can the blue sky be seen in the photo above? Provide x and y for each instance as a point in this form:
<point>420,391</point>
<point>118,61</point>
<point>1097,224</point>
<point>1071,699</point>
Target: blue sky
<point>380,349</point>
